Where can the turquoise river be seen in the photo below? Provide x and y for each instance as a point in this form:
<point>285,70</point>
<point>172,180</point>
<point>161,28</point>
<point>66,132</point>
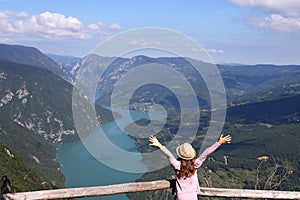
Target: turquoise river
<point>81,169</point>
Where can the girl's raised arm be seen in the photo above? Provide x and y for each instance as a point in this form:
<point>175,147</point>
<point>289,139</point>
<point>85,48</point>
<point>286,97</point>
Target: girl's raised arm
<point>209,150</point>
<point>154,142</point>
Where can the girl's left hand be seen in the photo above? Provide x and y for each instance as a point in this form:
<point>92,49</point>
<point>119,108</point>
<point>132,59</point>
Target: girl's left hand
<point>154,142</point>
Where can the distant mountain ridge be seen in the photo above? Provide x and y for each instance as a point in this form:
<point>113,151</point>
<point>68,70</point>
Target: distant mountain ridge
<point>31,56</point>
<point>68,63</point>
<point>243,83</point>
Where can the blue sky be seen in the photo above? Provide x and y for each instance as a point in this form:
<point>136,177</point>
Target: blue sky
<point>232,31</point>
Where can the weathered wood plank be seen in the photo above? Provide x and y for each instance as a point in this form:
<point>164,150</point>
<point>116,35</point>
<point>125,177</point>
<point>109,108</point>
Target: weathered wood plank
<point>90,191</point>
<point>146,186</point>
<point>249,194</point>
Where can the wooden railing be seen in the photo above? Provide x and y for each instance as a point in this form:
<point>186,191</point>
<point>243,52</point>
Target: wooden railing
<point>147,186</point>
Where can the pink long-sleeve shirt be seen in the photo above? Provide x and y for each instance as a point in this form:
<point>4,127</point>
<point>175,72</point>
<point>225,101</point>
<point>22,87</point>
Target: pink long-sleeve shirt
<point>188,187</point>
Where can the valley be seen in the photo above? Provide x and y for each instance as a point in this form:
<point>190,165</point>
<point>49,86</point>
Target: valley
<point>263,117</point>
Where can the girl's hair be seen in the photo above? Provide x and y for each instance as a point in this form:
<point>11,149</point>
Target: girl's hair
<point>187,167</point>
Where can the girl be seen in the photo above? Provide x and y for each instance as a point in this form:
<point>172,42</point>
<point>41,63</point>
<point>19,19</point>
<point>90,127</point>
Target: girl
<point>187,185</point>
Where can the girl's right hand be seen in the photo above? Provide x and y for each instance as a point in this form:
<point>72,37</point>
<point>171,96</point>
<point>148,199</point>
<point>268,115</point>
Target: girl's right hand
<point>224,140</point>
<point>154,142</point>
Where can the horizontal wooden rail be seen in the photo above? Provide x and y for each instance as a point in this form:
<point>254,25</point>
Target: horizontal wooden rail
<point>89,191</point>
<point>146,186</point>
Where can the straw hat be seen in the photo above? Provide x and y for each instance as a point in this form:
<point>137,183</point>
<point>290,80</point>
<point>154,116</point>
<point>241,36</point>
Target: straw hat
<point>186,151</point>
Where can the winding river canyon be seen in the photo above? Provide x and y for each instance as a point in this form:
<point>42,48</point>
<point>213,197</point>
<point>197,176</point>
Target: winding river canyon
<point>82,169</point>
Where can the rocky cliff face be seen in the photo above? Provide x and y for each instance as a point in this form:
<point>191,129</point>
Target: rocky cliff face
<point>36,99</point>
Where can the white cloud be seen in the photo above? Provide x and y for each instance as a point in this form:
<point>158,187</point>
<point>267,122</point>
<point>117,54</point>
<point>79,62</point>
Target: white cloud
<point>6,40</point>
<point>284,7</point>
<point>215,50</point>
<point>56,20</point>
<point>281,16</point>
<point>275,22</point>
<point>54,25</point>
<point>115,26</point>
<point>6,27</point>
<point>22,15</point>
<point>98,28</point>
<point>144,43</point>
<point>50,26</point>
<point>44,25</point>
<point>94,27</point>
<point>208,50</point>
<point>197,49</point>
<point>2,15</point>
